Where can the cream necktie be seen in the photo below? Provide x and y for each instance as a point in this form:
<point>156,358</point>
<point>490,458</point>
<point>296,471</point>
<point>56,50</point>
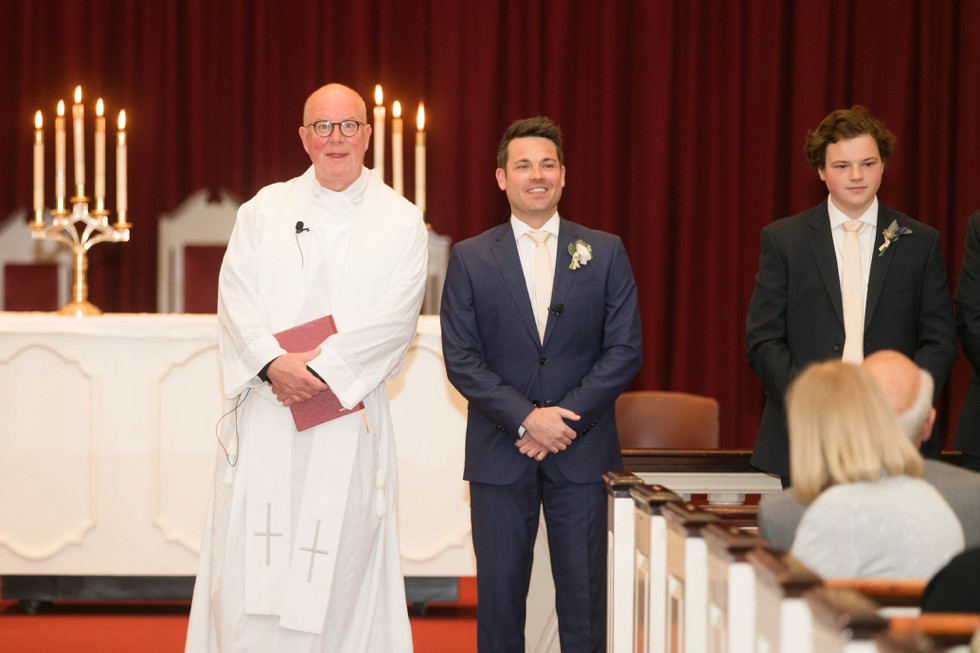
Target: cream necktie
<point>852,294</point>
<point>544,276</point>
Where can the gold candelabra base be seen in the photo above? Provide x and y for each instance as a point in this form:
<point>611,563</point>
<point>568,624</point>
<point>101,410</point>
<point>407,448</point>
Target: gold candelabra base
<point>80,230</point>
<point>79,309</point>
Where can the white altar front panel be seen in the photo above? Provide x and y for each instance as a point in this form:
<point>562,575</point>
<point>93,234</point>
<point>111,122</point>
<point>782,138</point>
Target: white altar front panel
<point>108,447</point>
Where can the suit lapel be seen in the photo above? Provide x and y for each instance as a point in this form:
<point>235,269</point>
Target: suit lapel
<point>822,246</point>
<point>509,262</point>
<point>879,264</point>
<point>567,233</point>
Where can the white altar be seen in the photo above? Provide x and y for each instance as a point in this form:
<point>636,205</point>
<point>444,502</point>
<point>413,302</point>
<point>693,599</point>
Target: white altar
<point>108,447</point>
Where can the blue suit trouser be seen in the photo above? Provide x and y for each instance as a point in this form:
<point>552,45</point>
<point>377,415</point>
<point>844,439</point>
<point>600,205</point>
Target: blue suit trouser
<point>505,525</point>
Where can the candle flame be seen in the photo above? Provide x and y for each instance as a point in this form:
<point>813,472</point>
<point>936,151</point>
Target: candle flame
<point>396,109</point>
<point>378,97</point>
<point>122,120</point>
<point>420,120</point>
<point>78,94</point>
<point>61,108</point>
<point>38,122</point>
<point>99,108</point>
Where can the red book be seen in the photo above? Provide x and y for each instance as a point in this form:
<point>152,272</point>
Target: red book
<point>325,406</point>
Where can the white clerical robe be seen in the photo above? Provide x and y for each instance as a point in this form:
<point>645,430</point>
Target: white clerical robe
<point>300,550</point>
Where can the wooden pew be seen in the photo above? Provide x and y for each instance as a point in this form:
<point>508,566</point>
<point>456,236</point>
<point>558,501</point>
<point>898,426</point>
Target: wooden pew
<point>844,621</point>
<point>687,576</point>
<point>847,621</point>
<point>805,613</point>
<point>723,476</point>
<point>729,486</point>
<point>936,629</point>
<point>889,642</point>
<point>621,540</point>
<point>782,619</point>
<point>887,592</point>
<point>672,576</point>
<point>731,588</point>
<point>650,567</point>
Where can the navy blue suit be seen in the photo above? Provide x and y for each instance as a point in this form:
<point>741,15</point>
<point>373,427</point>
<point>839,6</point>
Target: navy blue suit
<point>592,349</point>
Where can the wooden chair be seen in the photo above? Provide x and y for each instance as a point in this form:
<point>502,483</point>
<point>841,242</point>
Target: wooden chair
<point>35,275</point>
<point>651,419</point>
<point>192,243</point>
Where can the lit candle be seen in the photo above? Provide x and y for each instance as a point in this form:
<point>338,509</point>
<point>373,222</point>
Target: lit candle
<point>121,205</point>
<point>59,157</point>
<point>78,121</point>
<point>420,159</point>
<point>379,133</point>
<point>397,173</point>
<point>38,169</point>
<point>99,156</point>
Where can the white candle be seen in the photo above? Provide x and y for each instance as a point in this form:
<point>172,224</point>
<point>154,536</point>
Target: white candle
<point>121,199</point>
<point>420,159</point>
<point>379,133</point>
<point>397,163</point>
<point>59,156</point>
<point>99,156</point>
<point>78,121</point>
<point>38,168</point>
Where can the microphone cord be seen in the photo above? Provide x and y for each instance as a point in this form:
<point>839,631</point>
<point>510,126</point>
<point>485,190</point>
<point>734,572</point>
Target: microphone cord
<point>232,459</point>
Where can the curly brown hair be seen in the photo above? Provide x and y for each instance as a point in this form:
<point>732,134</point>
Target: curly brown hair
<point>842,125</point>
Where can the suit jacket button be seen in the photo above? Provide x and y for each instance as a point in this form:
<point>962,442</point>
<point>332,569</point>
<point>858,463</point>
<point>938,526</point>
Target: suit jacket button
<point>837,347</point>
<point>542,361</point>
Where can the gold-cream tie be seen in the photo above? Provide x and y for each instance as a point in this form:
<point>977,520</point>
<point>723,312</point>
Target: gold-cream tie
<point>852,294</point>
<point>544,277</point>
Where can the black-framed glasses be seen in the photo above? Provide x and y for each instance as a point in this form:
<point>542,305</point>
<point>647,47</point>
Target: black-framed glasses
<point>324,128</point>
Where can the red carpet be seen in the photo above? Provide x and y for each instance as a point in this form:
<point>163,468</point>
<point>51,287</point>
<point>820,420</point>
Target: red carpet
<point>79,627</point>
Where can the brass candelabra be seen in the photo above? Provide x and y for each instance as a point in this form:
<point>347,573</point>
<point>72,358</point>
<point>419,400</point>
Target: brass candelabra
<point>80,230</point>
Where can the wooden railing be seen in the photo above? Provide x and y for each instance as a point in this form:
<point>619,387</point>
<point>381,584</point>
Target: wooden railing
<point>702,580</point>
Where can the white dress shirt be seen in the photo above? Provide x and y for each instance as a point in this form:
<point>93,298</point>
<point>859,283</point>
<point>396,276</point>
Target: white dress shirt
<point>866,239</point>
<point>525,249</point>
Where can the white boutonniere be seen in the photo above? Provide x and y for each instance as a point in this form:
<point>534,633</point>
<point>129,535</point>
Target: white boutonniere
<point>893,232</point>
<point>581,253</point>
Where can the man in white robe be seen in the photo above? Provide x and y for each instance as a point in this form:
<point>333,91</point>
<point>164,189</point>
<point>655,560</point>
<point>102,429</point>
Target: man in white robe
<point>300,551</point>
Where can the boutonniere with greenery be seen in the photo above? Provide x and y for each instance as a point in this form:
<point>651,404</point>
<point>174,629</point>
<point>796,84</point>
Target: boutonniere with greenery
<point>581,253</point>
<point>893,232</point>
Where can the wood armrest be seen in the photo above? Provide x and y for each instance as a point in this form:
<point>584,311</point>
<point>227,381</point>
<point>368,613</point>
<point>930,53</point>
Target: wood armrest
<point>887,591</point>
<point>937,622</point>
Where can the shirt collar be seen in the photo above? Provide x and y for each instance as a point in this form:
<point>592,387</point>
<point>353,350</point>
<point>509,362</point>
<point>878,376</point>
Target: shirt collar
<point>837,217</point>
<point>353,193</point>
<point>520,228</point>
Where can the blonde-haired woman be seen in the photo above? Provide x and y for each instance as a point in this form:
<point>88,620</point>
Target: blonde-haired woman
<point>868,512</point>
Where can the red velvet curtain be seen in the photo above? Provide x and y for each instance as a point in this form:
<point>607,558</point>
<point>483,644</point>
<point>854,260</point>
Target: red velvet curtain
<point>684,122</point>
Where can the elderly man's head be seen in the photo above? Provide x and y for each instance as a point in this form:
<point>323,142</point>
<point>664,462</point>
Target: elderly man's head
<point>907,389</point>
<point>338,143</point>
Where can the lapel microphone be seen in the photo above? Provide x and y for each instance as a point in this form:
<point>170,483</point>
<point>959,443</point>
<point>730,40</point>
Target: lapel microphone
<point>300,229</point>
<point>556,309</point>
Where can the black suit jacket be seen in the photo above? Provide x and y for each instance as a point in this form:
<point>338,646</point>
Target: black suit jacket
<point>968,325</point>
<point>592,349</point>
<point>796,315</point>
